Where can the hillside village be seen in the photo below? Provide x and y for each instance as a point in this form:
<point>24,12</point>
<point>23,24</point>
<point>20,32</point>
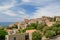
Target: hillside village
<point>22,30</point>
<point>48,20</point>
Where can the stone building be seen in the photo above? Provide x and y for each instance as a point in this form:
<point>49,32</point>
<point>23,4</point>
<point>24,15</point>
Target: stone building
<point>22,25</point>
<point>26,21</point>
<point>12,31</point>
<point>57,18</point>
<point>48,20</point>
<point>30,21</point>
<point>23,36</point>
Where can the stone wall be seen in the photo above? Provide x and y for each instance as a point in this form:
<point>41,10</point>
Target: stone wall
<point>16,37</point>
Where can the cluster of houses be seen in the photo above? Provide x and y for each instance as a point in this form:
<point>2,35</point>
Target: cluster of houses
<point>28,34</point>
<point>48,20</point>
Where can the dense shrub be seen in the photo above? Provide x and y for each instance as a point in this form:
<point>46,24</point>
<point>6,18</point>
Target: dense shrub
<point>36,35</point>
<point>2,34</point>
<point>50,33</point>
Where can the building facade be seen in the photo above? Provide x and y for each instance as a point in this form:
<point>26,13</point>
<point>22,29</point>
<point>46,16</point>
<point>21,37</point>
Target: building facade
<point>23,36</point>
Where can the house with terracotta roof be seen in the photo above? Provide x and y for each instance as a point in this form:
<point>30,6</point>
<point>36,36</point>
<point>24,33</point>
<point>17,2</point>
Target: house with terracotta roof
<point>30,33</point>
<point>12,31</point>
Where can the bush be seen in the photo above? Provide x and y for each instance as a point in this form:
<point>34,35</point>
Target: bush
<point>36,35</point>
<point>56,25</point>
<point>2,34</point>
<point>56,28</point>
<point>41,26</point>
<point>50,33</point>
<point>45,29</point>
<point>33,25</point>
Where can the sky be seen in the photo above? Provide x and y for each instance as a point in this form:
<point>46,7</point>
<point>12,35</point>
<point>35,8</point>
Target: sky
<point>17,10</point>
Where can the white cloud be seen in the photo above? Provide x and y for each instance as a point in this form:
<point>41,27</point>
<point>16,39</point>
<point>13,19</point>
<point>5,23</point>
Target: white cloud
<point>5,8</point>
<point>50,10</point>
<point>9,12</point>
<point>8,5</point>
<point>36,2</point>
<point>23,14</point>
<point>26,0</point>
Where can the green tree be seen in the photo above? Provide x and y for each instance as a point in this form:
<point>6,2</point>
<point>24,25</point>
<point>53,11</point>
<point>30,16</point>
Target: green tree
<point>50,33</point>
<point>36,35</point>
<point>29,28</point>
<point>45,29</point>
<point>2,34</point>
<point>32,25</point>
<point>56,25</point>
<point>56,28</point>
<point>41,26</point>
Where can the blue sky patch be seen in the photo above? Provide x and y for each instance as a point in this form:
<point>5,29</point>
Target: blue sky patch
<point>17,10</point>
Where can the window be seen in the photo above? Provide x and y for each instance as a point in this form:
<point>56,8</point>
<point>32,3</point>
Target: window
<point>14,38</point>
<point>26,37</point>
